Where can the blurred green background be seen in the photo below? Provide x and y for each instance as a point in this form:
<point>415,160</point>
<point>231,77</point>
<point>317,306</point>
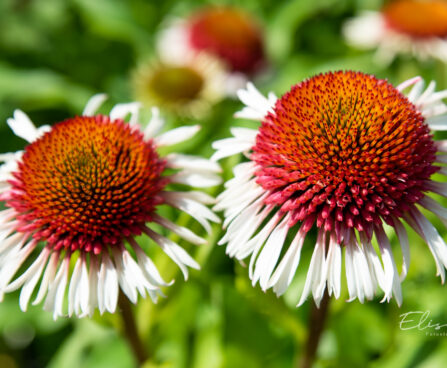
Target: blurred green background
<point>54,54</point>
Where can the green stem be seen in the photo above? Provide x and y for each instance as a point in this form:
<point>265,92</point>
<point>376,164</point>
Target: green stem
<point>130,330</point>
<point>317,319</point>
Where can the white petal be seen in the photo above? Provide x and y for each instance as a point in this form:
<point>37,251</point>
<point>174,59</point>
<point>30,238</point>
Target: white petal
<point>416,91</point>
<point>391,274</point>
<point>22,126</point>
<point>257,106</point>
<point>72,288</point>
<point>254,245</point>
<point>434,241</point>
<point>334,267</point>
<point>93,275</point>
<point>55,298</point>
<point>269,255</point>
<point>437,122</point>
<point>365,31</point>
<point>408,83</point>
<point>405,246</point>
<point>174,251</point>
<point>177,135</point>
<point>31,281</point>
<point>126,282</point>
<point>196,179</point>
<point>109,289</point>
<point>83,289</point>
<point>48,276</point>
<point>148,266</point>
<point>183,232</point>
<point>283,275</point>
<point>201,213</point>
<point>93,104</point>
<point>229,147</point>
<point>155,124</point>
<point>316,275</point>
<point>120,111</point>
<point>178,161</point>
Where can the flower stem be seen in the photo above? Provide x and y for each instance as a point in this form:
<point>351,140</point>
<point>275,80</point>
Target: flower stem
<point>317,319</point>
<point>130,330</point>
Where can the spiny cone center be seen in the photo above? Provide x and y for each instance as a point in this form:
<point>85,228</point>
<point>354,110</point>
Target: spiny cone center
<point>344,148</point>
<point>87,183</point>
<point>418,18</point>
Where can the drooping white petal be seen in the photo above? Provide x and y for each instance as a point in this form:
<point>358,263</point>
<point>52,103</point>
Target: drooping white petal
<point>74,281</point>
<point>126,282</point>
<point>351,279</point>
<point>254,245</point>
<point>183,232</point>
<point>48,276</point>
<point>148,266</point>
<point>269,255</point>
<point>392,282</point>
<point>83,290</point>
<point>56,291</point>
<point>405,246</point>
<point>15,259</point>
<point>283,275</point>
<point>174,251</point>
<point>334,267</point>
<point>197,210</point>
<point>31,279</point>
<point>316,275</point>
<point>107,285</point>
<point>93,280</point>
<point>434,240</point>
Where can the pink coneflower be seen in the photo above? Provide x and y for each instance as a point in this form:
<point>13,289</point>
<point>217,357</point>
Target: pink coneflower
<point>346,154</point>
<point>189,86</point>
<point>80,193</point>
<point>225,33</point>
<point>403,26</point>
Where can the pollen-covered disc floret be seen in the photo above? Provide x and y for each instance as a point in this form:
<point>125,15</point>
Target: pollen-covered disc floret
<point>403,26</point>
<point>79,193</point>
<point>346,154</point>
<point>345,148</point>
<point>87,183</point>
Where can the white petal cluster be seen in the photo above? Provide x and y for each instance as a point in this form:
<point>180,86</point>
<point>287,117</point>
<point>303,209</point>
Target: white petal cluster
<point>258,230</point>
<point>95,280</point>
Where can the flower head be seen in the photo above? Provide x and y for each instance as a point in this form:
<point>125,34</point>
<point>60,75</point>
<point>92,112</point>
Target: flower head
<point>225,33</point>
<point>83,190</point>
<point>402,26</point>
<point>188,86</point>
<point>344,153</point>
